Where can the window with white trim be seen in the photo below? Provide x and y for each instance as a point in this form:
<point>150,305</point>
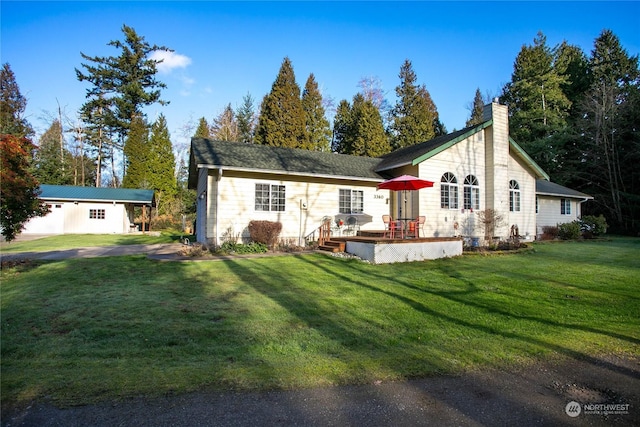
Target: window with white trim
<point>471,193</point>
<point>270,197</point>
<point>351,201</point>
<point>96,213</point>
<point>565,207</point>
<point>514,196</point>
<point>449,191</point>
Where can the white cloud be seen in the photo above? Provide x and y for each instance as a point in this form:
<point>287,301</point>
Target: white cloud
<point>170,60</point>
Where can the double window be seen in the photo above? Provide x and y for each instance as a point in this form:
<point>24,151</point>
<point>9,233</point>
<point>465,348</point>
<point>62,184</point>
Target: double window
<point>449,191</point>
<point>471,193</point>
<point>96,213</point>
<point>270,197</point>
<point>351,201</point>
<point>565,207</point>
<point>514,196</point>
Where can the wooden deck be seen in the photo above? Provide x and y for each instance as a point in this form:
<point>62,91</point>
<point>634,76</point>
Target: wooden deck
<point>377,249</point>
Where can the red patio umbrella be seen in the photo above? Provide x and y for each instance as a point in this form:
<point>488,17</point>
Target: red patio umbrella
<point>404,183</point>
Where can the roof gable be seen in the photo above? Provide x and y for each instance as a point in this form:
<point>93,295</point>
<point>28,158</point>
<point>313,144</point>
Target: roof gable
<point>102,194</point>
<point>263,158</point>
<point>528,160</point>
<point>415,154</point>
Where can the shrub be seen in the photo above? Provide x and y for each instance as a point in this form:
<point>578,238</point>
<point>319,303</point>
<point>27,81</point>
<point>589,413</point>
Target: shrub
<point>265,232</point>
<point>569,230</point>
<point>239,248</point>
<point>592,225</point>
<point>196,250</point>
<point>549,232</point>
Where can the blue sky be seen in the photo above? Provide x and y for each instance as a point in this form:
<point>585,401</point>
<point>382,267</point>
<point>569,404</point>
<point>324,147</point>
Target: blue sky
<point>224,50</point>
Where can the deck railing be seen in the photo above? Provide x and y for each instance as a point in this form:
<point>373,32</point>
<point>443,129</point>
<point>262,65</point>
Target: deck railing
<point>324,232</point>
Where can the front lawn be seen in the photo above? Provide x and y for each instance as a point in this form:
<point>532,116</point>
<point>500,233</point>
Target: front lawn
<point>84,330</point>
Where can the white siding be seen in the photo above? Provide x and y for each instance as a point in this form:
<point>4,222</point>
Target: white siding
<point>549,213</point>
<point>235,205</point>
<point>485,155</point>
<point>73,218</point>
<point>525,220</point>
<point>467,157</point>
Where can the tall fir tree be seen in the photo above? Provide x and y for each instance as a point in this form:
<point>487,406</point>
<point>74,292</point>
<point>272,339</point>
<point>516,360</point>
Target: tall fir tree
<point>52,166</point>
<point>341,128</point>
<point>225,126</point>
<point>203,130</point>
<point>476,109</point>
<point>136,150</point>
<point>358,129</point>
<point>162,164</point>
<point>369,138</point>
<point>246,117</point>
<point>281,122</point>
<point>12,105</point>
<point>414,118</point>
<point>317,125</point>
<point>537,104</point>
<point>120,87</point>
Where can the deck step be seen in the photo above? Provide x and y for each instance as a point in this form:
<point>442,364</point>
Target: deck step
<point>333,246</point>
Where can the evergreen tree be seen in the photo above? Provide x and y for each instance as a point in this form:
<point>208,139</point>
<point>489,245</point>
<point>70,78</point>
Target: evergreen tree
<point>358,129</point>
<point>12,105</point>
<point>414,117</point>
<point>572,63</point>
<point>225,126</point>
<point>341,128</point>
<point>246,118</point>
<point>137,155</point>
<point>281,122</point>
<point>121,87</point>
<point>317,126</point>
<point>538,107</point>
<point>52,167</point>
<point>203,130</point>
<point>368,135</point>
<point>537,104</point>
<point>162,164</point>
<point>476,110</point>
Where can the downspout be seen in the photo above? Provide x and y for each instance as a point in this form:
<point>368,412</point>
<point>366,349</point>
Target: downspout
<point>218,178</point>
<point>581,202</point>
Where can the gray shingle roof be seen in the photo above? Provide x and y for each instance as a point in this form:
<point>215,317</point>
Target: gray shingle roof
<point>240,156</point>
<point>102,194</point>
<point>553,189</point>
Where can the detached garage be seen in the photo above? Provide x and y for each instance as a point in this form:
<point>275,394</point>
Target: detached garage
<point>91,210</point>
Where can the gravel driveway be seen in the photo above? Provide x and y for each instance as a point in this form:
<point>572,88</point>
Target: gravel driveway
<point>537,395</point>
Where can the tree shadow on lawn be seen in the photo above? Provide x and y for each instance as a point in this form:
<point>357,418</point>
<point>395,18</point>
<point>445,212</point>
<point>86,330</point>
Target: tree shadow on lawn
<point>349,330</point>
<point>491,309</point>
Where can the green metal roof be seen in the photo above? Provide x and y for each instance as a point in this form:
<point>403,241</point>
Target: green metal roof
<point>94,194</point>
<point>263,158</point>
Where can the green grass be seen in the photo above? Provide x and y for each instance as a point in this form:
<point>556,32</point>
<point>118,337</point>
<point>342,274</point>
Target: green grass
<point>70,241</point>
<point>85,330</point>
